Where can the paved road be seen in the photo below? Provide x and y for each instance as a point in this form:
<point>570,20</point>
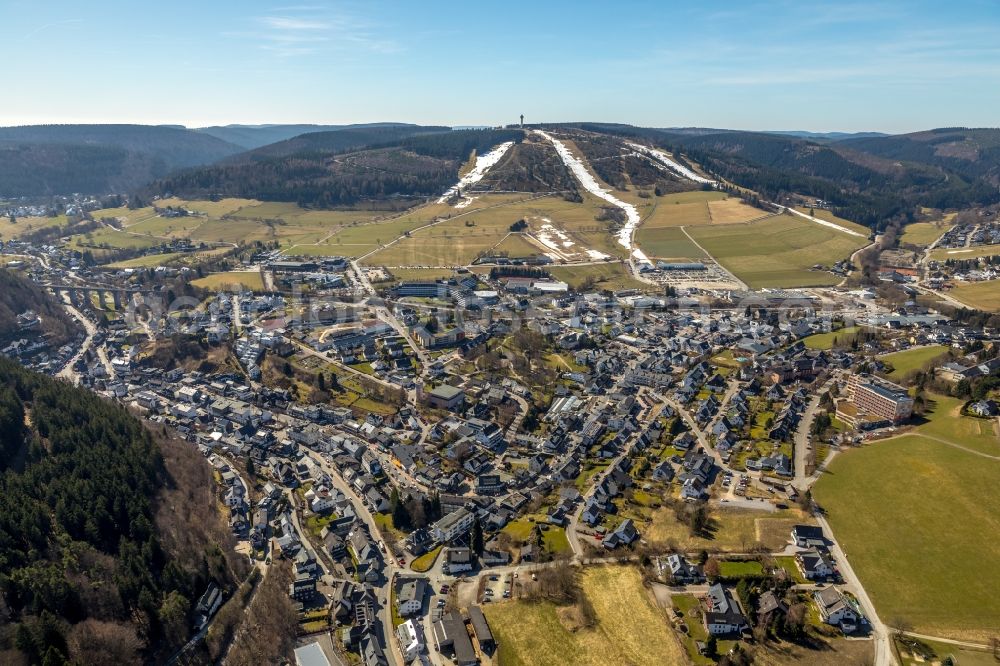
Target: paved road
<point>884,655</point>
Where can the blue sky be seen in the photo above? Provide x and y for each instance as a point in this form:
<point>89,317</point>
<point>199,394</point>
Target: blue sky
<point>851,66</point>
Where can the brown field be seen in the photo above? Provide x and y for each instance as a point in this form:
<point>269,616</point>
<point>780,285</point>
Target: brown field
<point>980,295</point>
<point>542,634</point>
<point>733,211</point>
<point>732,530</point>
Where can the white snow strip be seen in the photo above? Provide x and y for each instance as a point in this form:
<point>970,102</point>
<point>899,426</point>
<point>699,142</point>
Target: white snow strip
<point>674,166</point>
<point>483,164</point>
<point>825,223</point>
<point>591,185</point>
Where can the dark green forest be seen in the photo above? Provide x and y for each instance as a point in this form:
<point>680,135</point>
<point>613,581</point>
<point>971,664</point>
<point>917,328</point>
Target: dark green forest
<point>415,166</point>
<point>88,560</point>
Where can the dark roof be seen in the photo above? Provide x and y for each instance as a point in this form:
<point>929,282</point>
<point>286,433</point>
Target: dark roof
<point>480,625</point>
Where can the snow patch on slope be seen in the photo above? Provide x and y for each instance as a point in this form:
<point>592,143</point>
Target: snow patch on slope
<point>590,184</point>
<point>483,164</point>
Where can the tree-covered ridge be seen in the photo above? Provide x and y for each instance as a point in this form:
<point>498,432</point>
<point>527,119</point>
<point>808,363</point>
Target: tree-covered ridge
<point>416,166</point>
<point>18,294</point>
<point>79,535</point>
<point>43,160</point>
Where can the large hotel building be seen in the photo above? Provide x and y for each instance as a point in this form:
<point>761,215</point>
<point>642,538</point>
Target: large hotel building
<point>875,400</point>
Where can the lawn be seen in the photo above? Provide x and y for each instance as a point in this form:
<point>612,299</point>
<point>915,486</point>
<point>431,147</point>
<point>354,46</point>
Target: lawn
<point>983,295</point>
<point>918,520</point>
<point>541,634</point>
<point>426,561</point>
<point>555,541</point>
<point>249,279</point>
<point>826,340</point>
<point>778,251</point>
<point>735,568</point>
<point>911,360</point>
<point>682,209</point>
<point>731,530</point>
<point>519,529</point>
<point>787,562</point>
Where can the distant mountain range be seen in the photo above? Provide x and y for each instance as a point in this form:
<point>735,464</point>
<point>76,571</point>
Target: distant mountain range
<point>869,177</point>
<point>43,160</point>
<point>249,137</point>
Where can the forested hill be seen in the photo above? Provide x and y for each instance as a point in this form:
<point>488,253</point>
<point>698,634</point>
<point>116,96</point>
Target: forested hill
<point>256,136</point>
<point>862,186</point>
<point>97,159</point>
<point>974,153</point>
<point>108,535</point>
<point>18,294</point>
<point>315,175</point>
<point>336,141</point>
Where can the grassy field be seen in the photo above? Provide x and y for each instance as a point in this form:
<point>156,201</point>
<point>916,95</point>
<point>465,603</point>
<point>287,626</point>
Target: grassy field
<point>113,239</point>
<point>778,251</point>
<point>825,340</point>
<point>147,261</point>
<point>542,634</point>
<point>944,420</point>
<point>923,233</point>
<point>961,655</point>
<point>471,231</point>
<point>249,279</point>
<point>612,276</point>
<point>731,530</point>
<point>917,519</point>
<point>26,225</point>
<point>905,362</point>
<point>667,243</point>
<point>826,215</point>
<point>944,254</point>
<point>980,295</point>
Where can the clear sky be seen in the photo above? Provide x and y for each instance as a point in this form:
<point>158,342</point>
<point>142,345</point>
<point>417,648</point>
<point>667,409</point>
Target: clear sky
<point>795,64</point>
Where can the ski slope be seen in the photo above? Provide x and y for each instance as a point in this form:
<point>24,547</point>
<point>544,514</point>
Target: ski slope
<point>483,164</point>
<point>669,162</point>
<point>590,184</point>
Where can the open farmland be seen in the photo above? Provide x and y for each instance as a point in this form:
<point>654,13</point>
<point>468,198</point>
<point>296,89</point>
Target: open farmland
<point>980,295</point>
<point>543,634</point>
<point>461,238</point>
<point>778,251</point>
<point>699,208</point>
<point>893,506</point>
<point>249,279</point>
<point>667,243</point>
<point>26,225</point>
<point>923,233</point>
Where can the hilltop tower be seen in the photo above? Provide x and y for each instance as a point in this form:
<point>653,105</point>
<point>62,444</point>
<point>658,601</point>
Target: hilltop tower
<point>522,121</point>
